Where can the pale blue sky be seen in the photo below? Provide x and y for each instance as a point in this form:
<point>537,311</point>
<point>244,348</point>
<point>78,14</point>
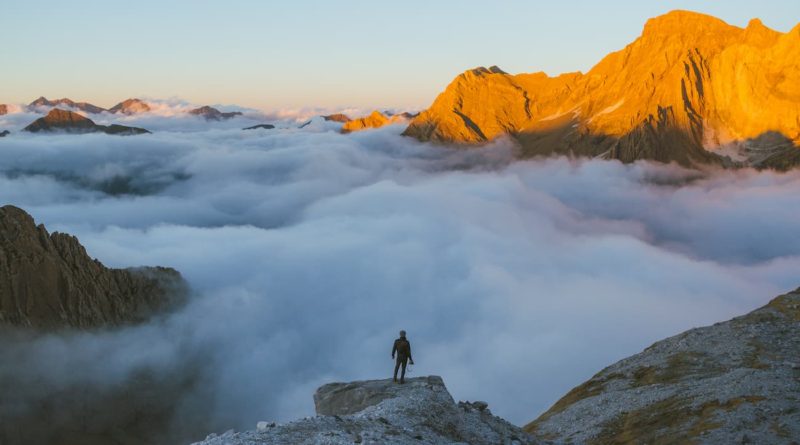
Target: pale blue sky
<point>310,53</point>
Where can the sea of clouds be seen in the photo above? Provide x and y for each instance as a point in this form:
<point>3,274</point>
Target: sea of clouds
<point>308,250</point>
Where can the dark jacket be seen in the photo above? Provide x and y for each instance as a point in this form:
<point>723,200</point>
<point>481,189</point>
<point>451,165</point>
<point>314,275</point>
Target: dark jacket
<point>403,348</point>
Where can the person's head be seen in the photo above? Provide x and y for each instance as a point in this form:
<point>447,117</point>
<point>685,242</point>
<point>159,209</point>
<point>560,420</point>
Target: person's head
<point>403,334</point>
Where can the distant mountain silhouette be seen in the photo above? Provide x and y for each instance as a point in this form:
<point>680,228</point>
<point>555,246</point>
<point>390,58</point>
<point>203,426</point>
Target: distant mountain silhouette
<point>692,90</point>
<point>263,126</point>
<point>212,114</point>
<point>43,102</point>
<point>337,117</point>
<point>130,106</point>
<point>70,122</point>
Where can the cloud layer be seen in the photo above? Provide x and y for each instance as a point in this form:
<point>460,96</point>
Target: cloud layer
<point>308,250</point>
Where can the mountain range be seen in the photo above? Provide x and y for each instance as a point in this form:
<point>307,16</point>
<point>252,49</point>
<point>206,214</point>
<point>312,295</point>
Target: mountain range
<point>71,122</point>
<point>691,89</point>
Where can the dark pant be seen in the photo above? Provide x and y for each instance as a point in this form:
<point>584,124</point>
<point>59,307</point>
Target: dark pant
<point>401,361</point>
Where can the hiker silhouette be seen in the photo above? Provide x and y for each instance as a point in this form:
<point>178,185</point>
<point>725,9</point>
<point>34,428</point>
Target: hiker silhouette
<point>402,348</point>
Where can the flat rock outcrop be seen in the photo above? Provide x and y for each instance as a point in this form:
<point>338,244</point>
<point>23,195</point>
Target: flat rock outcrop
<point>691,89</point>
<point>50,282</point>
<point>730,383</point>
<point>212,114</point>
<point>70,122</point>
<point>43,102</point>
<point>130,106</point>
<point>421,411</point>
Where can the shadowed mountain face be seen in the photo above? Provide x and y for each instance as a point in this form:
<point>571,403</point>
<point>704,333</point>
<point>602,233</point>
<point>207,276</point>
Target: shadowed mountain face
<point>43,102</point>
<point>50,282</point>
<point>130,106</point>
<point>733,382</point>
<point>212,114</point>
<point>4,133</point>
<point>67,121</point>
<point>691,89</point>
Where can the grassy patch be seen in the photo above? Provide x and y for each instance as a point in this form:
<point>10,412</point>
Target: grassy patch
<point>589,388</point>
<point>669,421</point>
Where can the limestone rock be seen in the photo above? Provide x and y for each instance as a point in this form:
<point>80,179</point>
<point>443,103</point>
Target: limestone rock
<point>691,89</point>
<point>43,102</point>
<point>711,385</point>
<point>130,106</point>
<point>50,282</point>
<point>421,411</point>
<point>70,122</point>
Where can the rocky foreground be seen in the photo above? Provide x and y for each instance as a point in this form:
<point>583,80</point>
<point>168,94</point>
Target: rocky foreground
<point>421,411</point>
<point>731,383</point>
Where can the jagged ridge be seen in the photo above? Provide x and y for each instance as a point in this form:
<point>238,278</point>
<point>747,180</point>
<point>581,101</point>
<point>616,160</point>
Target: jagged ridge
<point>51,282</point>
<point>688,87</point>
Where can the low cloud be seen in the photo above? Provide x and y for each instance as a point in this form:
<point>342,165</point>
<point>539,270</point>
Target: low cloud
<point>309,250</point>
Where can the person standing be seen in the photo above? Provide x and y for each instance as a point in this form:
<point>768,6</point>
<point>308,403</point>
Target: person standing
<point>402,348</point>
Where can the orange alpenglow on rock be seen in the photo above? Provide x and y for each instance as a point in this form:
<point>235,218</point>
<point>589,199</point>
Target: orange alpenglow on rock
<point>691,89</point>
<point>374,120</point>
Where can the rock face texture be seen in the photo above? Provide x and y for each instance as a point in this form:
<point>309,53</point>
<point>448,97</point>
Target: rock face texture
<point>49,281</point>
<point>212,114</point>
<point>374,120</point>
<point>43,102</point>
<point>382,412</point>
<point>130,106</point>
<point>691,89</point>
<point>733,382</point>
<point>69,122</point>
<point>3,109</point>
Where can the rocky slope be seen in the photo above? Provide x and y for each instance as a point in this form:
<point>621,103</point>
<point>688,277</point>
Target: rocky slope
<point>69,122</point>
<point>691,89</point>
<point>212,114</point>
<point>44,103</point>
<point>130,106</point>
<point>382,412</point>
<point>50,282</point>
<point>375,120</point>
<point>733,382</point>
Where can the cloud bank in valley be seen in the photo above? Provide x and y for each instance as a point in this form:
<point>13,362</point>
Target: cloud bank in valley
<point>308,250</point>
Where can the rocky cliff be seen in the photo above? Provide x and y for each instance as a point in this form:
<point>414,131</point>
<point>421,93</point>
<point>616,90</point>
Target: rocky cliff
<point>733,382</point>
<point>69,122</point>
<point>691,89</point>
<point>382,412</point>
<point>50,282</point>
<point>44,103</point>
<point>130,106</point>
